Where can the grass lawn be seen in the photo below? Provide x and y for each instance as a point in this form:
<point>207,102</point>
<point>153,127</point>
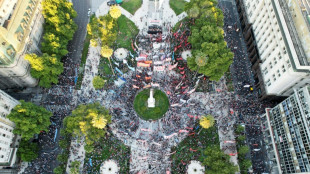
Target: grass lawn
<point>176,26</point>
<point>206,137</point>
<point>177,6</point>
<point>127,30</point>
<point>105,72</point>
<point>161,105</point>
<point>105,149</point>
<point>131,5</point>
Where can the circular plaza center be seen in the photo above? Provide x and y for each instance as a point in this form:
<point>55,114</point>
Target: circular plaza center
<point>151,113</point>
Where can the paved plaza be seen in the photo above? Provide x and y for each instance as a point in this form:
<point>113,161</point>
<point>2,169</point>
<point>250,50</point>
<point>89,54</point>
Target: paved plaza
<point>150,142</point>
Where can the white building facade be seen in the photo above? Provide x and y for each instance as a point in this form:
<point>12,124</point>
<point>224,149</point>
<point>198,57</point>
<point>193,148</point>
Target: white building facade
<point>277,35</point>
<point>21,27</point>
<point>8,141</point>
<point>287,135</point>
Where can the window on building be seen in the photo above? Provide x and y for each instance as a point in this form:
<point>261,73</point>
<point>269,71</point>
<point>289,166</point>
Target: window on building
<point>268,82</point>
<point>275,61</point>
<point>288,63</point>
<point>265,71</point>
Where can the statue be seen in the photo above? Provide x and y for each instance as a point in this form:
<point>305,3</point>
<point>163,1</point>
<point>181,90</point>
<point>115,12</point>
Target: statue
<point>151,100</point>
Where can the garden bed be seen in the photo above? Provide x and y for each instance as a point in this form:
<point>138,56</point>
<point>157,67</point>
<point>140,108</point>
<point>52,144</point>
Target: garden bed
<point>146,113</point>
<point>177,6</point>
<point>199,142</point>
<point>108,148</point>
<point>131,5</point>
<point>127,32</point>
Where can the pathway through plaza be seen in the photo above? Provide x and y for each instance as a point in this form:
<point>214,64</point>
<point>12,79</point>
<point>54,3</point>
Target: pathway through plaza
<point>151,141</point>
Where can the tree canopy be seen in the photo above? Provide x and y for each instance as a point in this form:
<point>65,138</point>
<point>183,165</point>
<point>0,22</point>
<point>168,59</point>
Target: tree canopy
<point>27,151</point>
<point>115,11</point>
<point>98,82</point>
<point>45,68</point>
<point>106,51</point>
<point>102,30</point>
<point>75,167</point>
<point>210,55</point>
<point>59,26</point>
<point>207,121</point>
<point>89,121</point>
<point>29,119</point>
<point>217,161</point>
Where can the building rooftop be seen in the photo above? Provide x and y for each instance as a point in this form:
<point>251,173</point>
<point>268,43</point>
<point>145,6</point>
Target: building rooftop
<point>297,17</point>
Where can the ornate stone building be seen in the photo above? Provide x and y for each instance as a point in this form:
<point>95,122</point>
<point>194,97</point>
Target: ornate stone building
<point>21,27</point>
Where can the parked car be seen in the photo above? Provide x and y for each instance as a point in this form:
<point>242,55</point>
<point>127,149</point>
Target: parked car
<point>89,12</point>
<point>110,3</point>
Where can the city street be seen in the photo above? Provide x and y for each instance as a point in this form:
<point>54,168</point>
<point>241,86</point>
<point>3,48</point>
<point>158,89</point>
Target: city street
<point>59,97</point>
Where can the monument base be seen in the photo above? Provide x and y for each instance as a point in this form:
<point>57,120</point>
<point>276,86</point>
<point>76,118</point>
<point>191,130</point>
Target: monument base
<point>151,102</point>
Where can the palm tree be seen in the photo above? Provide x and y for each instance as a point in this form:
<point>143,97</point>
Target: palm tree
<point>201,60</point>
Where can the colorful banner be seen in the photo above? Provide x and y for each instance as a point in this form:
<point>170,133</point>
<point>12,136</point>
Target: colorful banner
<point>140,64</point>
<point>191,91</point>
<point>159,68</point>
<point>134,86</point>
<point>147,86</point>
<point>131,68</point>
<point>143,55</point>
<point>183,131</point>
<point>139,59</point>
<point>158,62</point>
<point>171,67</point>
<point>146,130</point>
<point>148,61</point>
<point>169,136</point>
<point>116,69</point>
<point>168,59</point>
<point>155,84</point>
<point>175,104</point>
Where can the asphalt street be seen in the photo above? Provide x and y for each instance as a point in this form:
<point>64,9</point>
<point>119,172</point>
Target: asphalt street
<point>75,46</point>
<point>60,105</point>
<point>242,75</point>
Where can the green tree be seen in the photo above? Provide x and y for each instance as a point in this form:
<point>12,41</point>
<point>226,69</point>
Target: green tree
<point>239,130</point>
<point>60,169</point>
<point>89,121</point>
<point>211,56</point>
<point>217,161</point>
<point>243,150</point>
<point>63,143</point>
<point>59,26</point>
<point>45,68</point>
<point>241,139</point>
<point>98,82</point>
<point>89,148</point>
<point>75,167</point>
<point>206,121</point>
<point>244,165</point>
<point>27,150</point>
<point>102,30</point>
<point>29,119</point>
<point>63,157</point>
